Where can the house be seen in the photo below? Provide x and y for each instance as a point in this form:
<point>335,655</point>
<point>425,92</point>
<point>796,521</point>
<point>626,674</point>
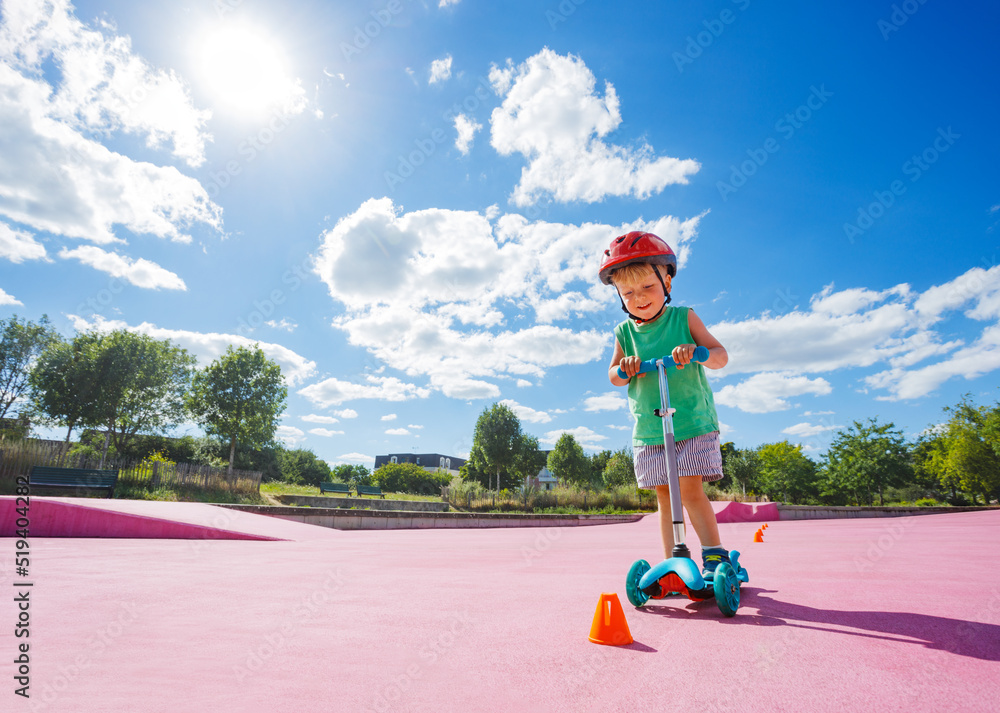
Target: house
<point>543,481</point>
<point>428,461</point>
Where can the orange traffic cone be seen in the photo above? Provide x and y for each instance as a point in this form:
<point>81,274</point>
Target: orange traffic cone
<point>758,536</point>
<point>765,526</point>
<point>609,625</point>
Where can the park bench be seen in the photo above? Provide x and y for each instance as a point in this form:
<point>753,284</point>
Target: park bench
<point>334,488</point>
<point>370,490</point>
<point>79,479</point>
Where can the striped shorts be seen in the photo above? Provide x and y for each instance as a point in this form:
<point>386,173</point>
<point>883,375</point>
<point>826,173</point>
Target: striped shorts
<point>695,456</point>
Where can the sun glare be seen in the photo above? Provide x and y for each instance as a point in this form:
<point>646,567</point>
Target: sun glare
<point>246,72</point>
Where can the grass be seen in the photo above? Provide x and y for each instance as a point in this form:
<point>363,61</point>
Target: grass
<point>188,494</point>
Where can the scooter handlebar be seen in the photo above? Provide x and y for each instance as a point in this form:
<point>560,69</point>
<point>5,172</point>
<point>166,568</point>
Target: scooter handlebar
<point>700,355</point>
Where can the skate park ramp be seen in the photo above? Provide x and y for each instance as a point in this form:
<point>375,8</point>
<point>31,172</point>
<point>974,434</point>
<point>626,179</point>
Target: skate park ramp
<point>745,512</point>
<point>145,519</point>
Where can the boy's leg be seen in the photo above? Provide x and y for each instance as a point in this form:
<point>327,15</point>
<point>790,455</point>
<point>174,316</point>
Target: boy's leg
<point>699,509</point>
<point>666,522</point>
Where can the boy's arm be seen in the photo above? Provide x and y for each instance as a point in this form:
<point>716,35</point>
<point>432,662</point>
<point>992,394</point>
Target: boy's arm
<point>718,357</point>
<point>630,365</point>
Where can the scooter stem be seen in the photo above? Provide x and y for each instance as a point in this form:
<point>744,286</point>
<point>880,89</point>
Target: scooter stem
<point>673,479</point>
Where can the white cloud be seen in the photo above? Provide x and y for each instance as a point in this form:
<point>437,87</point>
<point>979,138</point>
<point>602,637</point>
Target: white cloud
<point>54,174</point>
<point>389,417</point>
<point>766,392</point>
<point>608,401</point>
<point>397,432</point>
<point>104,86</point>
<point>552,115</point>
<point>440,70</point>
<point>313,418</point>
<point>283,324</point>
<point>18,246</point>
<point>6,299</point>
<point>807,430</point>
<point>851,301</point>
<point>354,458</point>
<point>813,341</point>
<point>325,432</point>
<point>526,413</point>
<point>346,413</point>
<point>859,328</point>
<point>208,346</point>
<point>456,285</point>
<point>979,358</point>
<point>583,435</point>
<point>140,272</point>
<point>413,425</point>
<point>446,3</point>
<point>976,285</point>
<point>466,129</point>
<point>333,391</point>
<point>290,435</point>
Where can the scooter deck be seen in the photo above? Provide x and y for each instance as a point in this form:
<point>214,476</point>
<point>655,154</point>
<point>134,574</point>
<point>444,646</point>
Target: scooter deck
<point>681,575</point>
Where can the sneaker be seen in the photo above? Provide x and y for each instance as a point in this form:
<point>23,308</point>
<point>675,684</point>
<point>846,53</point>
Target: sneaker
<point>710,559</point>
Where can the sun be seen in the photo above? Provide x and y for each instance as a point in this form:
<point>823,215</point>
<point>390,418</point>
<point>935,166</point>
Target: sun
<point>246,72</point>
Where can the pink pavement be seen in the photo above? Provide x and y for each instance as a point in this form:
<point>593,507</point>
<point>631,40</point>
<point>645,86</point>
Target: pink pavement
<point>873,615</point>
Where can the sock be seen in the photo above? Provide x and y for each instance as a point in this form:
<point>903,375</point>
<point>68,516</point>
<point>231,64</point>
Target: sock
<point>713,547</point>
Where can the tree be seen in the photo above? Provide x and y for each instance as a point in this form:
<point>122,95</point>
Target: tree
<point>785,473</point>
<point>743,466</point>
<point>867,458</point>
<point>620,469</point>
<point>124,382</point>
<point>971,456</point>
<point>598,463</point>
<point>352,474</point>
<point>497,443</point>
<point>301,466</point>
<point>409,478</point>
<point>64,382</point>
<point>568,462</point>
<point>141,385</point>
<point>240,397</point>
<point>528,459</point>
<point>21,343</point>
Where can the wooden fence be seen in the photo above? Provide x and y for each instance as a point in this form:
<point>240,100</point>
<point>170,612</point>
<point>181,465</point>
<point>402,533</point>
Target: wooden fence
<point>18,457</point>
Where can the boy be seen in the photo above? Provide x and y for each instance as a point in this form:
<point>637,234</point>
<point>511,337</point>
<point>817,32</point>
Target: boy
<point>641,266</point>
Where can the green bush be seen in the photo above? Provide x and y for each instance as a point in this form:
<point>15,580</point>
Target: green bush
<point>926,502</point>
<point>409,478</point>
<point>564,499</point>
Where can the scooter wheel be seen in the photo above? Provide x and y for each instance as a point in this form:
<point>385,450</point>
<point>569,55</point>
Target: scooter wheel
<point>727,589</point>
<point>635,595</point>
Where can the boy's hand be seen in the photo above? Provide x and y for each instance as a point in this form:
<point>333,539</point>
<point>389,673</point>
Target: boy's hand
<point>682,354</point>
<point>630,365</point>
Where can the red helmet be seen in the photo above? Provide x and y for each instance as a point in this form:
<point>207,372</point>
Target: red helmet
<point>637,247</point>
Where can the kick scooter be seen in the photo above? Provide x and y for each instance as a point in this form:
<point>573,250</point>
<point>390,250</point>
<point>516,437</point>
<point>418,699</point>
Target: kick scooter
<point>679,574</point>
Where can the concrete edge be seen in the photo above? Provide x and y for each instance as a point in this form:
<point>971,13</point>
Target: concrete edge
<point>335,503</point>
<point>350,519</point>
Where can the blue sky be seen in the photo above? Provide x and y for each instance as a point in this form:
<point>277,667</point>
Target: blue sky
<point>404,203</point>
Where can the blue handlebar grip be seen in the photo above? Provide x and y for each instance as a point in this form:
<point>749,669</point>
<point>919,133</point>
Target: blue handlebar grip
<point>700,355</point>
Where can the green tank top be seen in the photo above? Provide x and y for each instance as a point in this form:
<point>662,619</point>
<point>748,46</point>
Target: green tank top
<point>690,393</point>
